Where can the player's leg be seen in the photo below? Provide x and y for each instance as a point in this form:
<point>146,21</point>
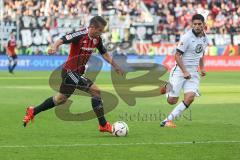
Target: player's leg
<point>10,62</point>
<point>51,102</point>
<point>97,106</point>
<point>66,89</point>
<point>14,63</point>
<point>172,100</point>
<point>87,85</point>
<point>177,81</point>
<point>189,98</point>
<point>176,112</point>
<point>190,88</point>
<point>180,108</point>
<point>173,87</point>
<point>45,105</point>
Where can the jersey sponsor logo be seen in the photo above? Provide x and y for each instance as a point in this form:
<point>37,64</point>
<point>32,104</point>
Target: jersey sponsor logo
<point>87,49</point>
<point>75,34</point>
<point>199,48</point>
<point>68,37</point>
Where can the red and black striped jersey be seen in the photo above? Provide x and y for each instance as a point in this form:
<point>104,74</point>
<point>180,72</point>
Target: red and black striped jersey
<point>81,49</point>
<point>12,44</point>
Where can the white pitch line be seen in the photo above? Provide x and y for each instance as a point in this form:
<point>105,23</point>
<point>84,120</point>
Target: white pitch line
<point>45,87</point>
<point>113,144</point>
<point>22,78</point>
<point>37,87</point>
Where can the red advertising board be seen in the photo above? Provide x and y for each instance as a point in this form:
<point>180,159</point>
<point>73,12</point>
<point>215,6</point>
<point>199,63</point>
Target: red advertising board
<point>212,63</point>
<point>169,49</point>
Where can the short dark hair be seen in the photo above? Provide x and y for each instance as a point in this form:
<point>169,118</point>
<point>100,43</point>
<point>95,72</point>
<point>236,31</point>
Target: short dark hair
<point>98,21</point>
<point>198,17</point>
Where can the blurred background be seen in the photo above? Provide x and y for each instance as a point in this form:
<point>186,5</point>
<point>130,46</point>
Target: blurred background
<point>140,29</point>
<point>144,31</point>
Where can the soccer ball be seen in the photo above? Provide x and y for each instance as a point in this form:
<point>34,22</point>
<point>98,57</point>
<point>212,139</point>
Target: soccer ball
<point>120,129</point>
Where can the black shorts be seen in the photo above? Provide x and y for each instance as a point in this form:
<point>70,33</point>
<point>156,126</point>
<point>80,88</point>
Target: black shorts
<point>73,80</point>
<point>13,57</point>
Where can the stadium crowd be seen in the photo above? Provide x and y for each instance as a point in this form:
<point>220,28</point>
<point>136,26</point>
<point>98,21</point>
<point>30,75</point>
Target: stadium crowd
<point>58,8</point>
<point>223,15</point>
<point>172,15</point>
<point>68,8</point>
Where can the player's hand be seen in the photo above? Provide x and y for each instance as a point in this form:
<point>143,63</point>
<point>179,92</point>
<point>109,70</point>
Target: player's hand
<point>119,71</point>
<point>52,50</point>
<point>203,73</point>
<point>186,75</point>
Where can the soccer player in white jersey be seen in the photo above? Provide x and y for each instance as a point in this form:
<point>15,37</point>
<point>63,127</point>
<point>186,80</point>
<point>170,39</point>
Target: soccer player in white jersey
<point>184,76</point>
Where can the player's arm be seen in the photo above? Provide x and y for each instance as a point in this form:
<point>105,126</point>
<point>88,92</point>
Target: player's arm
<point>201,61</point>
<point>178,59</point>
<point>54,47</point>
<point>181,48</point>
<point>202,67</point>
<point>7,47</point>
<point>108,58</point>
<point>68,38</point>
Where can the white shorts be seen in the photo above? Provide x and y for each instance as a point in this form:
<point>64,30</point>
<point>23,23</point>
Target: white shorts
<point>178,82</point>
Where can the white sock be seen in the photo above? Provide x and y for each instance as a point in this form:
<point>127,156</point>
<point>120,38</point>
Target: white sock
<point>177,111</point>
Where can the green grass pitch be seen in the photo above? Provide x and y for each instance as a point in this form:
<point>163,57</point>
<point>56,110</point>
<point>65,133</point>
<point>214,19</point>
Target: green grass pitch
<point>209,131</point>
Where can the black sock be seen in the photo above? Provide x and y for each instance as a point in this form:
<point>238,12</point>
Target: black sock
<point>47,104</point>
<point>9,67</point>
<point>14,65</point>
<point>185,104</point>
<point>98,109</point>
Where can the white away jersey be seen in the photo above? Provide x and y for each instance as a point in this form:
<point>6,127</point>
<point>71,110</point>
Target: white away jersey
<point>192,48</point>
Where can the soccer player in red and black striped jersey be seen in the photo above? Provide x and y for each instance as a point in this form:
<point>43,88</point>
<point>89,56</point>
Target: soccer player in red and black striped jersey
<point>83,43</point>
<point>12,56</point>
